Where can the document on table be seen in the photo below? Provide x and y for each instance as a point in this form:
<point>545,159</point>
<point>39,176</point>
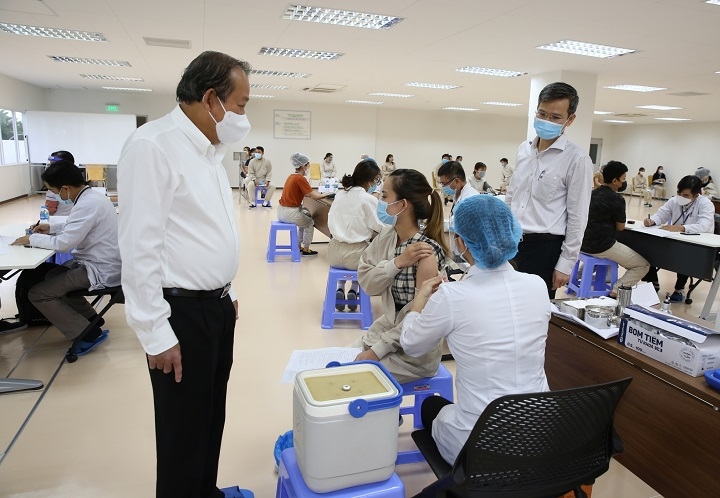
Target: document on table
<point>5,242</point>
<point>653,230</point>
<point>313,359</point>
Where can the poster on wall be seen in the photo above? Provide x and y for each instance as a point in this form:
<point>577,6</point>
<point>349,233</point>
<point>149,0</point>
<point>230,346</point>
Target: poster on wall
<point>292,124</point>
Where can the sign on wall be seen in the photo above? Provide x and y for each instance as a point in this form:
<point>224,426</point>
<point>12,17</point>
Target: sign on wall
<point>292,124</point>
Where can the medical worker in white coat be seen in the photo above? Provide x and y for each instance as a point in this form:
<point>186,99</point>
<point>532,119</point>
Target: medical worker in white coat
<point>495,320</point>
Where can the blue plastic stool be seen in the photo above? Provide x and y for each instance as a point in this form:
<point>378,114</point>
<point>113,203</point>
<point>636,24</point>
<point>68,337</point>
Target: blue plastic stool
<point>330,314</point>
<point>260,191</point>
<point>592,285</point>
<point>274,249</point>
<point>61,257</point>
<point>441,384</point>
<point>290,484</point>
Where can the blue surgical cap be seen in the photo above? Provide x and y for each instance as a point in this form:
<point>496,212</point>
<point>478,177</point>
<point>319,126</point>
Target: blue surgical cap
<point>489,230</point>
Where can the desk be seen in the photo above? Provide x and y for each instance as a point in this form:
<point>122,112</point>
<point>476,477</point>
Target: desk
<point>692,255</point>
<point>22,258</point>
<point>669,421</point>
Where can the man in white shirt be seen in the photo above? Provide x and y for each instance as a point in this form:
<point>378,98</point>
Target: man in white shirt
<point>549,191</point>
<point>179,245</point>
<point>91,232</point>
<point>507,172</point>
<point>687,212</point>
<point>259,173</point>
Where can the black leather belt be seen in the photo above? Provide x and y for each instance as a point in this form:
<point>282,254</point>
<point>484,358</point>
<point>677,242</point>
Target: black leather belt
<point>536,237</point>
<point>198,294</point>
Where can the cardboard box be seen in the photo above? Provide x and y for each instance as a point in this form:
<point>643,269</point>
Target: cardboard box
<point>679,343</point>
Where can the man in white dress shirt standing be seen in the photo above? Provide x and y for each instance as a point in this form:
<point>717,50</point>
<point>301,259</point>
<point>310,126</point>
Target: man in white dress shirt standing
<point>179,245</point>
<point>549,191</point>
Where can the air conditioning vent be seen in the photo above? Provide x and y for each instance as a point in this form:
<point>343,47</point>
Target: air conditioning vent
<point>688,94</point>
<point>166,42</point>
<point>322,88</point>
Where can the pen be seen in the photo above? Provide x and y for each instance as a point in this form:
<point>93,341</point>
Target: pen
<point>36,224</point>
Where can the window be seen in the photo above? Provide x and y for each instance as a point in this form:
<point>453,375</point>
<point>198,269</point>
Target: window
<point>12,147</point>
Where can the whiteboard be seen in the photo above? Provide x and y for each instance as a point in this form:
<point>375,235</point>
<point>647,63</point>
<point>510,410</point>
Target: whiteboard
<point>91,138</point>
<point>292,124</point>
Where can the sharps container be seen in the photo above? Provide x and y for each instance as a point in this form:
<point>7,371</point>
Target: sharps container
<point>345,425</point>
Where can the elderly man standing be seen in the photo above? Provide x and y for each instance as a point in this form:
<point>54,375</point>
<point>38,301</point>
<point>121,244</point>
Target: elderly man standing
<point>259,173</point>
<point>179,245</point>
<point>549,191</point>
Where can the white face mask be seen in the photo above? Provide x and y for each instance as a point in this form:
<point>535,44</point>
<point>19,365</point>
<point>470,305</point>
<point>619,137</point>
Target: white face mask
<point>683,201</point>
<point>232,127</point>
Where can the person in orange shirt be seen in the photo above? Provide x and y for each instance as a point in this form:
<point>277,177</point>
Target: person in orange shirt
<point>291,210</point>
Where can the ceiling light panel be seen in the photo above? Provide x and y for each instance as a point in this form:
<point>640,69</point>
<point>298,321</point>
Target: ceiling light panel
<point>398,95</point>
<point>369,102</point>
<point>460,109</point>
<point>258,86</point>
<point>339,17</point>
<point>258,96</point>
<point>635,88</point>
<point>673,119</point>
<point>124,89</point>
<point>64,34</point>
<point>602,113</point>
<point>490,72</point>
<point>621,121</point>
<point>586,49</point>
<point>285,74</point>
<point>82,60</point>
<point>300,53</point>
<point>505,104</point>
<point>658,107</point>
<point>713,2</point>
<point>114,78</point>
<point>435,86</point>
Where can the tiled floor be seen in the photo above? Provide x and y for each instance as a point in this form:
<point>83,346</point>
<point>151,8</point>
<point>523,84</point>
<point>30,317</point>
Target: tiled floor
<point>91,432</point>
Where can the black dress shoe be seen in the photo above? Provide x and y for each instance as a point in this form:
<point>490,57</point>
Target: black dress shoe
<point>12,325</point>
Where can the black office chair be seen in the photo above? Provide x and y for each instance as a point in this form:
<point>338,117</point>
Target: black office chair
<point>537,445</point>
<point>693,282</point>
<point>116,297</point>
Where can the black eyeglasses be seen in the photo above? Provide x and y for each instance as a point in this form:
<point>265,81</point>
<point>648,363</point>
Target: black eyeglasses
<point>448,183</point>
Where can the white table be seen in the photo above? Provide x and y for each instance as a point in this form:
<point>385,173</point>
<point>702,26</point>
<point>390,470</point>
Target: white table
<point>692,255</point>
<point>21,258</point>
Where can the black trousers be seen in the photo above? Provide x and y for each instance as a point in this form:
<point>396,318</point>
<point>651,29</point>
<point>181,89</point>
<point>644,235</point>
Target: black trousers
<point>539,257</point>
<point>190,415</point>
<point>430,409</point>
<point>652,276</point>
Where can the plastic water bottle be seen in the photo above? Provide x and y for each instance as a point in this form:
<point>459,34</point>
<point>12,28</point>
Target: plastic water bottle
<point>44,215</point>
<point>327,183</point>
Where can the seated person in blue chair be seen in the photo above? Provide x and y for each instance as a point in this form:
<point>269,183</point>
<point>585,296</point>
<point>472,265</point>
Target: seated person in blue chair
<point>353,222</point>
<point>92,230</point>
<point>606,217</point>
<point>394,265</point>
<point>495,320</point>
<point>687,212</point>
<point>291,210</point>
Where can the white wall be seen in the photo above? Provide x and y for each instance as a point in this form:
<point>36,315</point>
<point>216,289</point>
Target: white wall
<point>17,95</point>
<point>679,147</point>
<point>417,139</point>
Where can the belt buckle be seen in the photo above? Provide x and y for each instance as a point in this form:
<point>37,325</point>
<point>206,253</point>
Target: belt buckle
<point>226,290</point>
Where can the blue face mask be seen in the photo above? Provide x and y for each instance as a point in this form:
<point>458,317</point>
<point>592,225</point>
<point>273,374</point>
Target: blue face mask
<point>65,201</point>
<point>444,160</point>
<point>382,214</point>
<point>547,130</point>
<point>372,188</point>
<point>448,190</point>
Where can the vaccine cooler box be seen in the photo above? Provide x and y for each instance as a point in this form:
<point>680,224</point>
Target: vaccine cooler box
<point>345,425</point>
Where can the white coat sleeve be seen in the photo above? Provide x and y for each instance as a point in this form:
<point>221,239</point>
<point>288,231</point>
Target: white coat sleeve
<point>422,331</point>
<point>81,220</point>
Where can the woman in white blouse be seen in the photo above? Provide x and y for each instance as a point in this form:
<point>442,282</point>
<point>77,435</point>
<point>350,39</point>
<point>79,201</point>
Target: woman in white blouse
<point>328,167</point>
<point>388,167</point>
<point>353,222</point>
<point>495,321</point>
